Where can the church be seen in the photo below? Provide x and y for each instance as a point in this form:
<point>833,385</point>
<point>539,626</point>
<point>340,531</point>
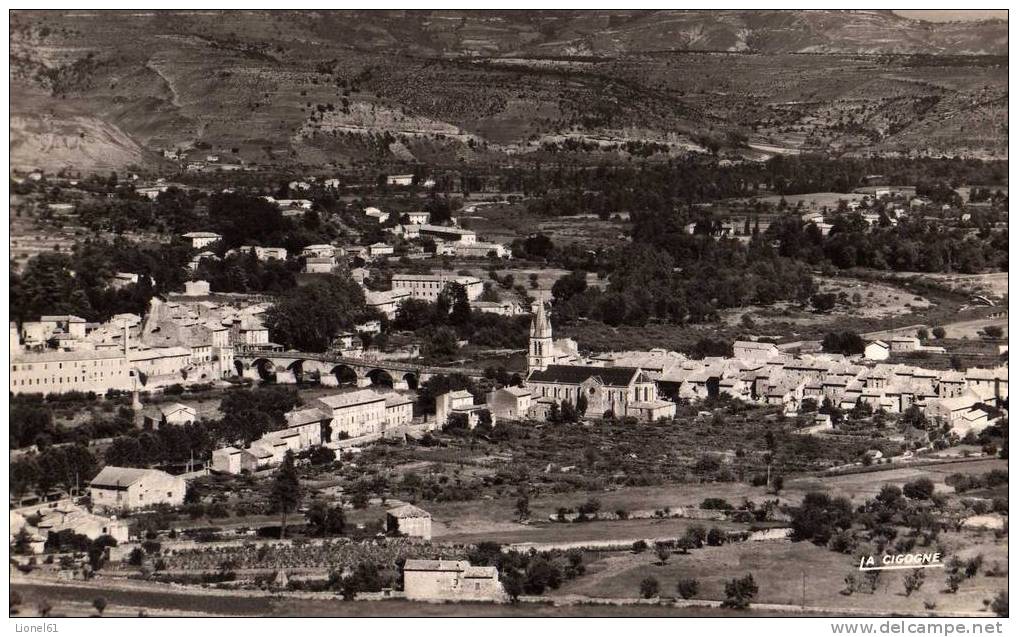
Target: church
<point>555,372</point>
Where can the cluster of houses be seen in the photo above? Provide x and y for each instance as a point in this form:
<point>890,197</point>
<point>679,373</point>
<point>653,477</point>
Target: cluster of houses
<point>764,374</point>
<point>363,414</point>
<point>645,385</point>
<point>427,287</point>
<point>186,338</point>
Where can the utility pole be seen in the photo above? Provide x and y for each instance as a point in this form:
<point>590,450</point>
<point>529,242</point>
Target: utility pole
<point>804,590</point>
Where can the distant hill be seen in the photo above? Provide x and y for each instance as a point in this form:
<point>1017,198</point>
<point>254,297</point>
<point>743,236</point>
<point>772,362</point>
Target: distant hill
<point>365,88</point>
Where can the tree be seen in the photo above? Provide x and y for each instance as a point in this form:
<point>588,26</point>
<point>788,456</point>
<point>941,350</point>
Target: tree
<point>639,546</point>
<point>523,508</point>
<point>309,317</point>
<point>715,537</point>
<point>687,587</point>
<point>820,516</point>
<point>541,574</point>
<point>512,584</point>
<point>993,331</point>
<point>663,553</point>
<point>939,332</point>
<point>999,605</point>
<point>919,489</point>
<point>286,494</point>
<point>922,334</point>
<point>99,603</point>
<point>16,601</point>
<point>847,343</point>
<point>777,484</point>
<point>914,581</point>
<point>581,405</point>
<point>740,592</point>
<point>441,342</point>
<point>649,587</point>
<point>823,302</point>
<point>326,520</point>
<point>23,542</point>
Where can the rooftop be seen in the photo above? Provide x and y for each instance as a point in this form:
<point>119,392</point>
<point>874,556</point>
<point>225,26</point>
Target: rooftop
<point>576,374</point>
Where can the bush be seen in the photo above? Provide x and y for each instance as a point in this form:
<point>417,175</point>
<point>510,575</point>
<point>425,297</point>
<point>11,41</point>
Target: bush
<point>715,537</point>
<point>649,587</point>
<point>740,592</point>
<point>639,546</point>
<point>687,587</point>
<point>920,489</point>
<point>999,605</point>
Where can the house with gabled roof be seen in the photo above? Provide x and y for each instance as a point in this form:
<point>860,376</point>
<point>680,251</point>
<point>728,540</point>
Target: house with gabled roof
<point>126,488</point>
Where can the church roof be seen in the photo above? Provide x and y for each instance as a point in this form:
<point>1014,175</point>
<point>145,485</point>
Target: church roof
<point>576,374</point>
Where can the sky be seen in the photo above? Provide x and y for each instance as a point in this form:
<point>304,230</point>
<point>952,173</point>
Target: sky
<point>945,15</point>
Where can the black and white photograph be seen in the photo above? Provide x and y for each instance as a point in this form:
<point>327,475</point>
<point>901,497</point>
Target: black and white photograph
<point>698,314</point>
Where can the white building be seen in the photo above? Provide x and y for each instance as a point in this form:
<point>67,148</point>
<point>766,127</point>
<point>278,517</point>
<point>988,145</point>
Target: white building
<point>877,351</point>
<point>121,488</point>
<point>202,239</point>
<point>427,287</point>
<point>448,233</point>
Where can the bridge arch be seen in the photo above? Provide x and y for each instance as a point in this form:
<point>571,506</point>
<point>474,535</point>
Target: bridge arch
<point>298,368</point>
<point>265,367</point>
<point>412,380</point>
<point>345,375</point>
<point>381,377</point>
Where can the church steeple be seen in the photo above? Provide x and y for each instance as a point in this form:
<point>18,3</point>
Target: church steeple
<point>542,347</point>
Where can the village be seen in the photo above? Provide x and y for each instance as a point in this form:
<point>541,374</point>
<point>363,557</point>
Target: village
<point>356,396</point>
<point>455,313</point>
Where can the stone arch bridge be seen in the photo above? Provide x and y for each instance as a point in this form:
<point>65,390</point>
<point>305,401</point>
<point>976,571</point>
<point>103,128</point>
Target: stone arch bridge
<point>335,370</point>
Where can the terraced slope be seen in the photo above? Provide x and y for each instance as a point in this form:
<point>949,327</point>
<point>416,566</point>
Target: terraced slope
<point>111,89</point>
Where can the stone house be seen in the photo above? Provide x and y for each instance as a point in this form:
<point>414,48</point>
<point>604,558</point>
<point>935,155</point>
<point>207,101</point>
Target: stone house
<point>408,520</point>
<point>451,580</point>
<point>123,488</point>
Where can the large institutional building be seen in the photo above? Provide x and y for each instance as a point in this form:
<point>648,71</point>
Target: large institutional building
<point>621,391</point>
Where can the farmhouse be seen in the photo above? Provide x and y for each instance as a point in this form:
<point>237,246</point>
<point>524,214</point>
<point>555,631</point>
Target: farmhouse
<point>171,414</point>
<point>408,520</point>
<point>448,233</point>
<point>319,265</point>
<point>120,488</point>
<point>233,461</point>
<point>877,351</point>
<point>80,521</point>
<point>458,402</point>
<point>453,580</point>
<point>399,180</point>
<point>510,403</point>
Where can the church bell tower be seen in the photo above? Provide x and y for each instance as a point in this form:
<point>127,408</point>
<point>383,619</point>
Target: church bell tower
<point>542,348</point>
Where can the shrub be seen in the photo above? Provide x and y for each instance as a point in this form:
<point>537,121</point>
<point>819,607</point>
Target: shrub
<point>649,587</point>
<point>999,605</point>
<point>740,592</point>
<point>920,489</point>
<point>687,587</point>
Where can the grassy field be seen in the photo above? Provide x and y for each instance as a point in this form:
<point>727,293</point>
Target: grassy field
<point>779,568</point>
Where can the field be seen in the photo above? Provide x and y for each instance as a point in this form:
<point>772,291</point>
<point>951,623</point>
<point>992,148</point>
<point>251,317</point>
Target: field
<point>993,285</point>
<point>504,222</point>
<point>858,300</point>
<point>783,570</point>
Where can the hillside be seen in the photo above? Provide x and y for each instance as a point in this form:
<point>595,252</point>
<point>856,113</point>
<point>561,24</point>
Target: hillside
<point>368,88</point>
